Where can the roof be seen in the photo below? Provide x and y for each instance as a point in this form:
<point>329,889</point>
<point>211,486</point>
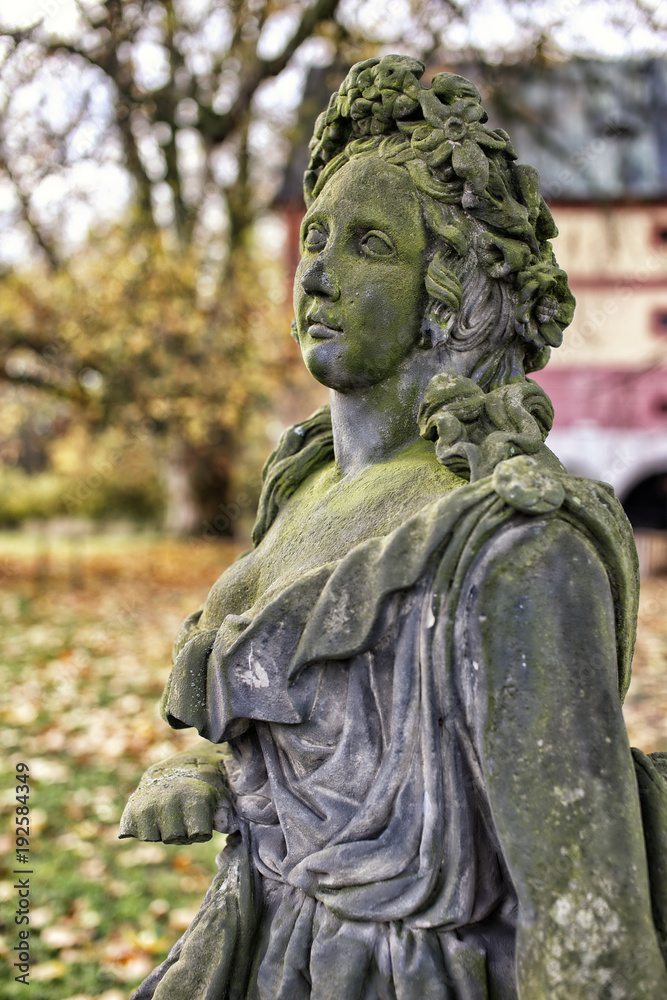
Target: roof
<point>595,130</point>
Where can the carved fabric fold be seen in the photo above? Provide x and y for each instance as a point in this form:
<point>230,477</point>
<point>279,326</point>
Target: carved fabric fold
<point>371,831</point>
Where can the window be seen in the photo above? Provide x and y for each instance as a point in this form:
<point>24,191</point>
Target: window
<point>659,322</point>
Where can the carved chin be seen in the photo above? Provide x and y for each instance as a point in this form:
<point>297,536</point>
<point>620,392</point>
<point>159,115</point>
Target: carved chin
<point>324,360</point>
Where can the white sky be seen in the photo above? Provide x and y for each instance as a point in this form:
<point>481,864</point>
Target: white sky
<point>602,28</point>
<point>589,24</point>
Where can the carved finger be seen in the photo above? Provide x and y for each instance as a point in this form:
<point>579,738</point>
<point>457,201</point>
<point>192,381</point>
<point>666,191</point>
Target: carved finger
<point>198,814</point>
<point>127,826</point>
<point>173,830</point>
<point>147,826</point>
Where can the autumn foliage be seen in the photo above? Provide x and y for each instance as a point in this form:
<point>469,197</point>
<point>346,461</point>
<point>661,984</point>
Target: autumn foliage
<point>134,336</point>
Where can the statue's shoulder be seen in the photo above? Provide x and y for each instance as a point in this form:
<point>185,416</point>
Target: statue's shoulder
<point>301,450</point>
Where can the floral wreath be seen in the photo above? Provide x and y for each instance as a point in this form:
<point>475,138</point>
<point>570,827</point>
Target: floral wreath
<point>460,162</point>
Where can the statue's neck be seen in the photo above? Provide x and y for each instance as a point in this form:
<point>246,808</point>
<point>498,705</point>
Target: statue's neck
<point>371,425</point>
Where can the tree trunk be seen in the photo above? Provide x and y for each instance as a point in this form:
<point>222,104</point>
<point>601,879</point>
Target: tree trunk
<point>197,484</point>
<point>183,516</point>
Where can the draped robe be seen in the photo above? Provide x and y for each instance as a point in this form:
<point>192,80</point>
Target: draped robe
<point>364,858</point>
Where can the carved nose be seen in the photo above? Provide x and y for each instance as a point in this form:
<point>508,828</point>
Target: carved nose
<point>318,280</point>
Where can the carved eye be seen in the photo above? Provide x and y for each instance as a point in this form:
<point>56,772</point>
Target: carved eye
<point>315,238</point>
<point>376,244</point>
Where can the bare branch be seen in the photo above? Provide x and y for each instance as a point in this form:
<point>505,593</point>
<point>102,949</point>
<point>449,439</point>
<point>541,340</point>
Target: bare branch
<point>24,34</point>
<point>73,394</point>
<point>455,7</point>
<point>28,217</point>
<point>219,127</point>
<point>650,17</point>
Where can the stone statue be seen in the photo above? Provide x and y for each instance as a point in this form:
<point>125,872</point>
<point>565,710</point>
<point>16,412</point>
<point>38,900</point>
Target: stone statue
<point>411,686</point>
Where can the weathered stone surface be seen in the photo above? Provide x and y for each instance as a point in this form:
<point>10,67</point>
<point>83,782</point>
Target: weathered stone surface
<point>419,667</point>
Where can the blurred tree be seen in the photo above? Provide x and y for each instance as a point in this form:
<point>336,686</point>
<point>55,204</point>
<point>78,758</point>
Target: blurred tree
<point>171,119</point>
<point>176,318</point>
<point>124,333</point>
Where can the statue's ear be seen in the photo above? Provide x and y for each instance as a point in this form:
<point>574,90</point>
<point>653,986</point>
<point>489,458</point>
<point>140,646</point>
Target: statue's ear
<point>436,324</point>
<point>500,256</point>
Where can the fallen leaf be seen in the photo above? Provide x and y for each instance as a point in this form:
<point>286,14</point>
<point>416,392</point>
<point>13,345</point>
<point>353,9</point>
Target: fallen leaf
<point>45,972</point>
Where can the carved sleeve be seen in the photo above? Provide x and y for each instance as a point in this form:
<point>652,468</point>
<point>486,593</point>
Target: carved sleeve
<point>537,660</point>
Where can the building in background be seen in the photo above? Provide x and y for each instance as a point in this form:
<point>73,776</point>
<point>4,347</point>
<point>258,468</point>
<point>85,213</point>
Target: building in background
<point>597,131</point>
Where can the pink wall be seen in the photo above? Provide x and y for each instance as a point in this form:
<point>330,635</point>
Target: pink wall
<point>606,397</point>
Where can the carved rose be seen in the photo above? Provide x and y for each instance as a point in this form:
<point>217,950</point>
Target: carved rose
<point>545,305</point>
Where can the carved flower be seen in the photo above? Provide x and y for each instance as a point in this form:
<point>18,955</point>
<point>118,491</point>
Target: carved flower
<point>546,305</point>
<point>376,93</point>
<point>395,72</point>
<point>474,431</point>
<point>460,138</point>
<point>379,93</point>
<point>454,129</point>
<point>351,81</point>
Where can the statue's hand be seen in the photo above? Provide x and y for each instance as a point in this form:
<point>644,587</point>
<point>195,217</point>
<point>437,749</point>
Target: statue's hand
<point>180,800</point>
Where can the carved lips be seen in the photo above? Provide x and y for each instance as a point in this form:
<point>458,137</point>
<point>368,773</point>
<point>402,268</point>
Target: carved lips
<point>322,327</point>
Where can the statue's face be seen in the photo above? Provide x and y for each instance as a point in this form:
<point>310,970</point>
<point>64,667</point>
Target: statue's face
<point>359,289</point>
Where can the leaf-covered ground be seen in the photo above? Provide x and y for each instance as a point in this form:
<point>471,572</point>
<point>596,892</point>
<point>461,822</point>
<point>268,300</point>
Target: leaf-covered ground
<point>84,652</point>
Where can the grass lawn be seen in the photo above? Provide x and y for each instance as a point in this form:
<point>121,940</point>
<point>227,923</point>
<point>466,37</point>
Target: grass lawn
<point>87,628</point>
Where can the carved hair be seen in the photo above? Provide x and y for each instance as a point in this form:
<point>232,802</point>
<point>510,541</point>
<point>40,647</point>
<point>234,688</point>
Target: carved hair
<point>493,277</point>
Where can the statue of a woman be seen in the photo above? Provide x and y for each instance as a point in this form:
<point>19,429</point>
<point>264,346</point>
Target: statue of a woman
<point>417,671</point>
